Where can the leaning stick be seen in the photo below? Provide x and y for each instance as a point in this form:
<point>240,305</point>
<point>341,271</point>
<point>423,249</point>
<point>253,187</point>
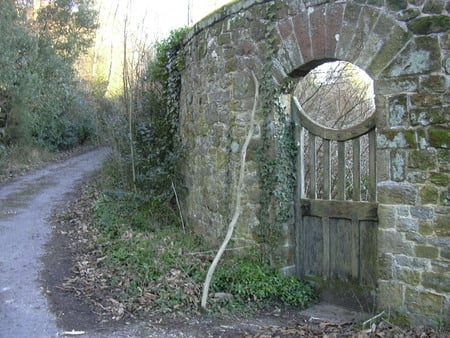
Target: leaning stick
<point>237,210</point>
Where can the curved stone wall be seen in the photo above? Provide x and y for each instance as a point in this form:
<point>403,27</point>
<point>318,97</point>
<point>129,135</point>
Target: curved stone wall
<point>405,47</point>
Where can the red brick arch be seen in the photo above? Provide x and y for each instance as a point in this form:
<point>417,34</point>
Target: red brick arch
<point>363,35</point>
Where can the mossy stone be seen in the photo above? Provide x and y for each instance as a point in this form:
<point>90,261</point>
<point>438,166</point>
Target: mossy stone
<point>408,14</point>
<point>429,194</point>
<point>438,282</point>
<point>426,251</point>
<point>441,179</point>
<point>439,137</point>
<point>430,24</point>
<point>423,302</point>
<point>397,5</point>
<point>433,7</point>
<point>420,57</point>
<point>434,84</point>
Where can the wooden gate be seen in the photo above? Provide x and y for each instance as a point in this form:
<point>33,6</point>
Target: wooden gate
<point>335,208</point>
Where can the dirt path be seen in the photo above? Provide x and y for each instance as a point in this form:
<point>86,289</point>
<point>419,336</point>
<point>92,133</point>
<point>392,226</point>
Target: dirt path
<point>25,206</point>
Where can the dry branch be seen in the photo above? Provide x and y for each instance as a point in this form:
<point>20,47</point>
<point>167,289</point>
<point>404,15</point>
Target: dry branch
<point>237,209</point>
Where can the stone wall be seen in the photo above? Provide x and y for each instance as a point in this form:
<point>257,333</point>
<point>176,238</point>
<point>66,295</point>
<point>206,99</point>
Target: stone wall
<point>405,47</point>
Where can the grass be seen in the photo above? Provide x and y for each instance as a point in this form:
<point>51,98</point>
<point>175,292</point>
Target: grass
<point>156,266</point>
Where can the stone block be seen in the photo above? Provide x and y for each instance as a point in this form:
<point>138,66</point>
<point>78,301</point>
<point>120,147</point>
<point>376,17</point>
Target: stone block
<point>439,137</point>
<point>396,139</point>
<point>408,276</point>
<point>393,242</point>
<point>430,24</point>
<point>301,29</point>
<point>433,7</point>
<point>398,115</point>
<point>387,216</point>
<point>422,213</point>
<point>397,85</point>
<point>334,24</point>
<point>427,100</point>
<point>442,225</point>
<point>429,194</point>
<point>445,254</point>
<point>397,5</point>
<point>428,116</point>
<point>412,262</point>
<point>407,224</point>
<point>433,84</point>
<point>408,14</point>
<point>436,281</point>
<point>390,295</point>
<point>426,251</point>
<point>422,56</point>
<point>385,266</point>
<point>390,192</point>
<point>425,228</point>
<point>423,302</point>
<point>440,179</point>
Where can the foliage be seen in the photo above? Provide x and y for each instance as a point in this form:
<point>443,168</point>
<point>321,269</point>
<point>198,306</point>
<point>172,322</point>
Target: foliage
<point>250,279</point>
<point>148,254</point>
<point>46,104</point>
<point>276,161</point>
<point>68,25</point>
<point>157,141</point>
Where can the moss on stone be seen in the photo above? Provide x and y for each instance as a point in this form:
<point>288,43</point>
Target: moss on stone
<point>429,194</point>
<point>433,7</point>
<point>441,227</point>
<point>439,137</point>
<point>424,302</point>
<point>397,5</point>
<point>409,276</point>
<point>408,14</point>
<point>441,179</point>
<point>426,251</point>
<point>425,228</point>
<point>434,84</point>
<point>438,282</point>
<point>430,24</point>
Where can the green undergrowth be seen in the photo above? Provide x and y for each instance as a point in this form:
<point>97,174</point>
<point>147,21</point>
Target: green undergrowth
<point>156,265</point>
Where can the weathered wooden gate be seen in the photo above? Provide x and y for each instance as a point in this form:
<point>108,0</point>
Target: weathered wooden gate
<point>336,227</point>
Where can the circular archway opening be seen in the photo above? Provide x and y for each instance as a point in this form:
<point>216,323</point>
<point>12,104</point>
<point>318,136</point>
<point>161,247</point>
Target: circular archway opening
<point>337,95</point>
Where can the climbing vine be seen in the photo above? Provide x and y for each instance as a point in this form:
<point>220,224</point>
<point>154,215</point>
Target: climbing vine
<point>276,153</point>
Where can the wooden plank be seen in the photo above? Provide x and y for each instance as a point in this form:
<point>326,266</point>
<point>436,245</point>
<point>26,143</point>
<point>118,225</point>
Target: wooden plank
<point>329,133</point>
<point>341,171</point>
<point>313,246</point>
<point>326,170</point>
<point>355,246</point>
<point>326,247</point>
<point>340,249</point>
<point>369,252</point>
<point>372,166</point>
<point>299,193</point>
<point>312,187</point>
<point>340,209</point>
<point>356,169</point>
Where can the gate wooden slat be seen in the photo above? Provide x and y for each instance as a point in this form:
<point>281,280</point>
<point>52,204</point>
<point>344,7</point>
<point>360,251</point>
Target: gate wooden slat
<point>356,170</point>
<point>341,171</point>
<point>372,166</point>
<point>312,188</point>
<point>326,170</point>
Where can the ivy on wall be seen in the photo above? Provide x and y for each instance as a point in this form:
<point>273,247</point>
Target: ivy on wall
<point>276,154</point>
